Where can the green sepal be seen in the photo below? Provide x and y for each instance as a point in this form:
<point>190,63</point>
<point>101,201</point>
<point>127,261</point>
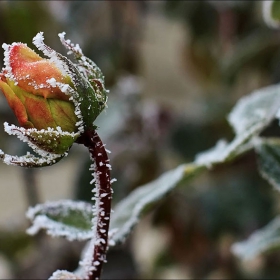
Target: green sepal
<point>91,100</point>
<point>52,141</point>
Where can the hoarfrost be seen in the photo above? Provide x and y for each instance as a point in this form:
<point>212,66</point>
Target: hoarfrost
<point>51,82</point>
<point>216,154</point>
<point>113,180</point>
<point>7,70</point>
<point>29,160</point>
<point>109,166</point>
<point>64,275</point>
<point>92,181</point>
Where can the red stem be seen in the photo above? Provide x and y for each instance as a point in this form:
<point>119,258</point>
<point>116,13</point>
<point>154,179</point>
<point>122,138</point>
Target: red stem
<point>103,197</point>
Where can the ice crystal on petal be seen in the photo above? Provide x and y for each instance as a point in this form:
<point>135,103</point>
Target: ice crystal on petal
<point>51,82</point>
<point>7,70</point>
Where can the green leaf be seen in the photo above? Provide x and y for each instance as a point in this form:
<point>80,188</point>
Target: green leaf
<point>128,211</point>
<point>275,10</point>
<point>66,218</point>
<point>268,151</point>
<point>263,240</point>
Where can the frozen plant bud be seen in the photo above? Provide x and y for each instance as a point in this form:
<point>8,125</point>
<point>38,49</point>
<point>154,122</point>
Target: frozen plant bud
<point>29,85</point>
<point>50,96</point>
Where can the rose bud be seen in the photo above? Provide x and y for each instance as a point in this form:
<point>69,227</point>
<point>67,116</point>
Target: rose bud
<point>27,85</point>
<point>54,99</point>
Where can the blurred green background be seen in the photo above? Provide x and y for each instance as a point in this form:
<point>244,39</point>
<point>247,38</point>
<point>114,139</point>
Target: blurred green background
<point>174,70</point>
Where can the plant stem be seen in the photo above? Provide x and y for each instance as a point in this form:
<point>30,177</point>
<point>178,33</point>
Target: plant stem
<point>103,197</point>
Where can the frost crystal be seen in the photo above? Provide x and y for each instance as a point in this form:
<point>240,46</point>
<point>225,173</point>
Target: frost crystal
<point>64,274</point>
<point>52,82</point>
<point>7,70</point>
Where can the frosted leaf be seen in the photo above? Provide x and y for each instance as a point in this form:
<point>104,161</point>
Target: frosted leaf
<point>65,218</point>
<point>261,241</point>
<point>128,211</point>
<point>257,109</point>
<point>248,118</point>
<point>268,151</point>
<point>223,152</point>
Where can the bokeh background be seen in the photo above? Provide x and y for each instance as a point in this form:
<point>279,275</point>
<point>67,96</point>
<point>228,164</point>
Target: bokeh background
<point>174,69</point>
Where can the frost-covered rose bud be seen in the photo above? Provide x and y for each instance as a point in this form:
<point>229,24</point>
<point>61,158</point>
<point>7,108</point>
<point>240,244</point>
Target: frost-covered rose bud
<point>28,83</point>
<point>54,99</point>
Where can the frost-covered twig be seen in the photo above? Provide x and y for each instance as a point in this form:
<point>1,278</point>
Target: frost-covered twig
<point>96,255</point>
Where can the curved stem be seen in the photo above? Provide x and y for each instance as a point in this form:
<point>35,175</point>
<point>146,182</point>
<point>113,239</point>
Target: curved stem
<point>102,197</point>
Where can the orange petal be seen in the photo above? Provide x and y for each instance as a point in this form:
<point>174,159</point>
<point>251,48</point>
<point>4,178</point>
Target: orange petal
<point>32,72</point>
<point>16,105</point>
<point>36,107</point>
